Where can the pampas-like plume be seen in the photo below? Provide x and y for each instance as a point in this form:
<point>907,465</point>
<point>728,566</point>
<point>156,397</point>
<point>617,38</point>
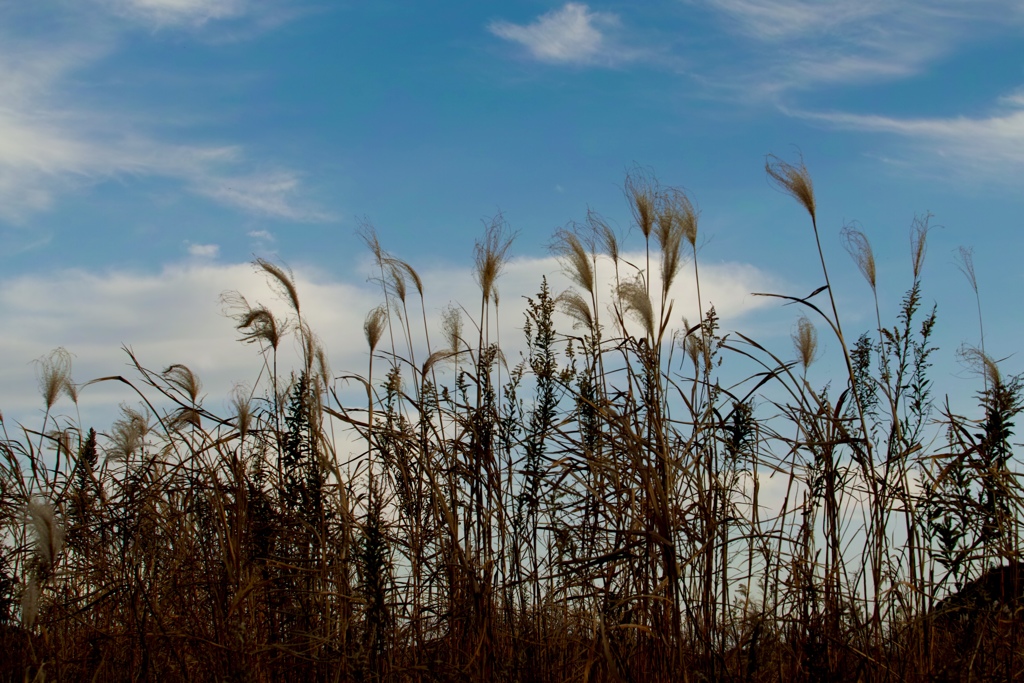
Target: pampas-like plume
<point>491,254</point>
<point>805,341</point>
<point>641,191</point>
<point>284,280</point>
<point>183,378</point>
<point>30,604</point>
<point>676,220</point>
<point>409,271</point>
<point>373,327</point>
<point>397,280</point>
<point>575,259</point>
<point>919,242</point>
<point>605,236</point>
<point>260,322</point>
<point>633,296</point>
<point>128,433</point>
<point>965,262</point>
<point>451,325</point>
<point>577,308</point>
<point>980,362</point>
<point>49,536</point>
<point>243,409</point>
<point>55,376</point>
<point>793,180</point>
<point>859,248</point>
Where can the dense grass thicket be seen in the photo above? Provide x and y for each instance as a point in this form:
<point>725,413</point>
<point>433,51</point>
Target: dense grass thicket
<point>593,511</point>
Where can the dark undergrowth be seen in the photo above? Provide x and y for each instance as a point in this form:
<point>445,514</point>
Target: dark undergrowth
<point>596,511</point>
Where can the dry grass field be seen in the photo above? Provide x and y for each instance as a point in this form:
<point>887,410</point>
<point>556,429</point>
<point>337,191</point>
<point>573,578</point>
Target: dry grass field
<point>592,512</point>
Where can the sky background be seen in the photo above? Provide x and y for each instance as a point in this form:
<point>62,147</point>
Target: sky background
<point>150,149</point>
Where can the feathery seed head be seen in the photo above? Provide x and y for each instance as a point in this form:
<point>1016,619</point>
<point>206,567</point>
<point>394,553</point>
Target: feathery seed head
<point>259,321</point>
<point>411,273</point>
<point>919,242</point>
<point>373,327</point>
<point>692,344</point>
<point>262,325</point>
<point>793,180</point>
<point>642,193</point>
<point>49,536</point>
<point>859,248</point>
<point>184,379</point>
<point>128,433</point>
<point>243,409</point>
<point>285,281</point>
<point>369,235</point>
<point>451,325</point>
<point>397,277</point>
<point>676,214</point>
<point>575,258</point>
<point>805,341</point>
<point>633,296</point>
<point>604,235</point>
<point>491,254</point>
<point>965,262</point>
<point>30,603</point>
<point>54,372</point>
<point>435,358</point>
<point>577,308</point>
<point>980,362</point>
<point>323,367</point>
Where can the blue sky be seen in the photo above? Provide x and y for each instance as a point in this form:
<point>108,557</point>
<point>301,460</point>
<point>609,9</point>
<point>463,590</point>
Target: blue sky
<point>150,148</point>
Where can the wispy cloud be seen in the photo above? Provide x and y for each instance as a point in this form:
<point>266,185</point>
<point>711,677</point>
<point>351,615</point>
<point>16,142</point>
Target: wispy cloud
<point>990,145</point>
<point>173,316</point>
<point>176,12</point>
<point>572,34</point>
<point>50,144</point>
<point>203,250</point>
<point>772,20</point>
<point>269,194</point>
<point>798,44</point>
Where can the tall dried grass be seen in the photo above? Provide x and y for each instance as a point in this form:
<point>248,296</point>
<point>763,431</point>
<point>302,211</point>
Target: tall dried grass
<point>594,512</point>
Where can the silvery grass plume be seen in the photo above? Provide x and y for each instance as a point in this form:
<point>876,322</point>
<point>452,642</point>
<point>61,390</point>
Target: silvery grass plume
<point>30,603</point>
<point>49,536</point>
<point>55,376</point>
<point>805,341</point>
<point>128,434</point>
<point>794,180</point>
<point>857,245</point>
<point>49,539</point>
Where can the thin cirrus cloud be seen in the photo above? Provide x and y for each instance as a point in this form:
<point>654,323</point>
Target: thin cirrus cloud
<point>572,34</point>
<point>51,145</point>
<point>799,44</point>
<point>204,250</point>
<point>178,12</point>
<point>772,20</point>
<point>988,146</point>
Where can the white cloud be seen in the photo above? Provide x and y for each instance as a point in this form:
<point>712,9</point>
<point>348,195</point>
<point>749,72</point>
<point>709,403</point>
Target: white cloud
<point>989,145</point>
<point>49,146</point>
<point>798,44</point>
<point>203,250</point>
<point>781,19</point>
<point>269,194</point>
<point>570,35</point>
<point>51,143</point>
<point>264,235</point>
<point>173,316</point>
<point>171,12</point>
<point>43,154</point>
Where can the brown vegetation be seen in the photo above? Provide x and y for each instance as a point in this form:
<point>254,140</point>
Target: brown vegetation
<point>591,513</point>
